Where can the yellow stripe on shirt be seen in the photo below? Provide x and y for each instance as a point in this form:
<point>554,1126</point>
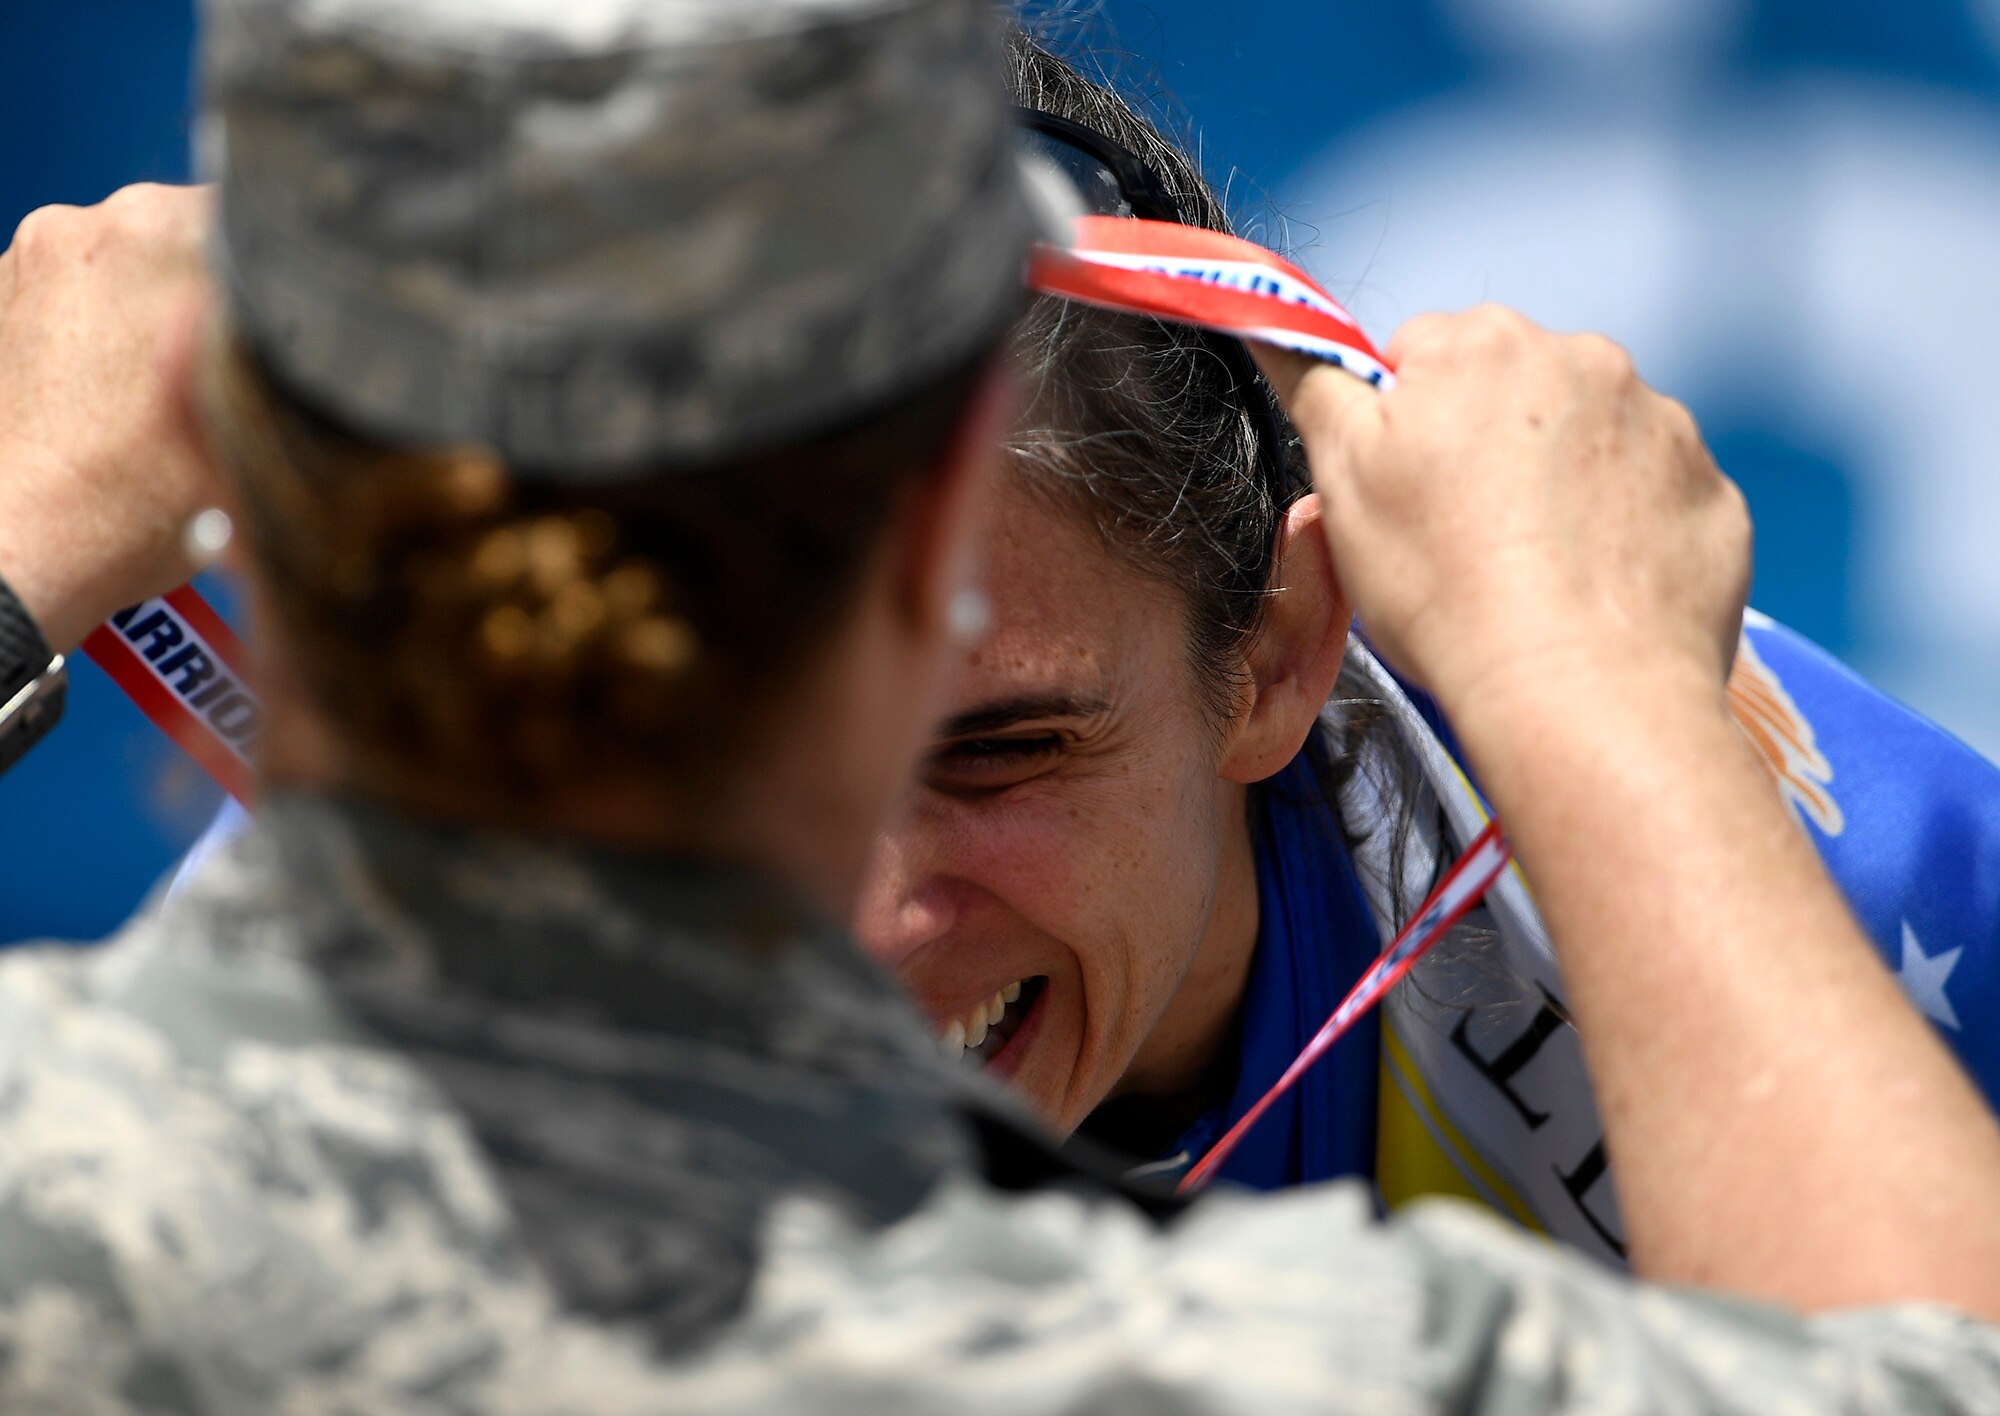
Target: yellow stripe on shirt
<point>1418,1152</point>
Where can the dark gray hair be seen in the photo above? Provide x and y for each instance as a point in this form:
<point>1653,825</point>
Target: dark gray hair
<point>1143,429</point>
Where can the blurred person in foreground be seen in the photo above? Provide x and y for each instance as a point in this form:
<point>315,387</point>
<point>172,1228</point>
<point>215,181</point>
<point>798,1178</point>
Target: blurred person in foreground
<point>611,531</point>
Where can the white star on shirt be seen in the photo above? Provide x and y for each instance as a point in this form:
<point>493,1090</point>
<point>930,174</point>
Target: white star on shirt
<point>1922,978</point>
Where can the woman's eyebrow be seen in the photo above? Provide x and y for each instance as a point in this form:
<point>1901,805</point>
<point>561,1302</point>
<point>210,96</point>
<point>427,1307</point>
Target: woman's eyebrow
<point>1004,713</point>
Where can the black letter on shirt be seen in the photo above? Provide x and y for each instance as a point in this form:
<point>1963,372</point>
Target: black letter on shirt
<point>1588,1172</point>
<point>1513,1057</point>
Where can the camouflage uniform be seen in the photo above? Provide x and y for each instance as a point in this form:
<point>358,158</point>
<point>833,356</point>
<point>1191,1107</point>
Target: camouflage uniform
<point>600,235</point>
<point>375,1117</point>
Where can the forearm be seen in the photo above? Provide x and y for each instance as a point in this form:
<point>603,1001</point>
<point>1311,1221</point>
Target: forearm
<point>1782,1122</point>
<point>1546,544</point>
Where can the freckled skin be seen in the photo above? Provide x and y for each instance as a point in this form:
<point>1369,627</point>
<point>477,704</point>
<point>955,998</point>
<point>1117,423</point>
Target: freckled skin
<point>1112,859</point>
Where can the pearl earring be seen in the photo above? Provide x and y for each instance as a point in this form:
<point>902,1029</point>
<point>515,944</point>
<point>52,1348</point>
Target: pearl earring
<point>969,616</point>
<point>206,535</point>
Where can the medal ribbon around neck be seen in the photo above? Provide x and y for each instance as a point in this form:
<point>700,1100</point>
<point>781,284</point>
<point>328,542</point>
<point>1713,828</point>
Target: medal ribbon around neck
<point>178,661</point>
<point>1191,275</point>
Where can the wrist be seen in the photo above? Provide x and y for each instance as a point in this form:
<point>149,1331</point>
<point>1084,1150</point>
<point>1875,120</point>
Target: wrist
<point>1549,713</point>
<point>32,680</point>
<point>45,549</point>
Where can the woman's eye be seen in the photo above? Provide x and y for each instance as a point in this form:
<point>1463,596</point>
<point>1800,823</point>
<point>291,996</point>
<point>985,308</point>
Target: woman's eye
<point>988,764</point>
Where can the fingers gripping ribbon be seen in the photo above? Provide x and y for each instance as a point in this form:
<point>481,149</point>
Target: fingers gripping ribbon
<point>178,661</point>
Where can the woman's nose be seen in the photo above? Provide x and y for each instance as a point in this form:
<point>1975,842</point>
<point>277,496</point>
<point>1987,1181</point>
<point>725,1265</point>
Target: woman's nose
<point>901,908</point>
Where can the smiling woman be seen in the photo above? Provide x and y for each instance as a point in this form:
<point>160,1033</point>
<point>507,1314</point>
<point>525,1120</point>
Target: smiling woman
<point>1073,824</point>
<point>1078,876</point>
<point>1175,810</point>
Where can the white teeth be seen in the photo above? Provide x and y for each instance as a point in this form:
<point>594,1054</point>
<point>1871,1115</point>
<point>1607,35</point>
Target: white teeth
<point>966,1033</point>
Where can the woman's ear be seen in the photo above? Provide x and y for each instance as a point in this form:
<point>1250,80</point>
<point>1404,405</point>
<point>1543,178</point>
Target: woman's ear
<point>1296,655</point>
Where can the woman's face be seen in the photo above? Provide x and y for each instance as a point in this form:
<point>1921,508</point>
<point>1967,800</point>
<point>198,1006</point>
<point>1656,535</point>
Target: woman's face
<point>1069,863</point>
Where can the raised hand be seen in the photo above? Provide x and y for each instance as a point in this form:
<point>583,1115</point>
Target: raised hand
<point>100,467</point>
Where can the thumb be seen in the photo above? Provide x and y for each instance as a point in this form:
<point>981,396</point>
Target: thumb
<point>1323,401</point>
<point>1320,398</point>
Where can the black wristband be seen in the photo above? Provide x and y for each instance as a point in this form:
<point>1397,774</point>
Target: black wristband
<point>24,654</point>
<point>32,681</point>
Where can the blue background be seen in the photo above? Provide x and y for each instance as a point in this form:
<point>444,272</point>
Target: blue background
<point>1785,207</point>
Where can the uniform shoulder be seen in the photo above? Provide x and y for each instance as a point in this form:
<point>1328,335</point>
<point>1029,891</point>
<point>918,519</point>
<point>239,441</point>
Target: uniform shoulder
<point>203,1184</point>
<point>1294,1302</point>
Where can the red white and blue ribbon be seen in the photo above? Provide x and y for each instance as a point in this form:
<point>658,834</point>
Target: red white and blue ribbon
<point>1195,276</point>
<point>1463,887</point>
<point>179,662</point>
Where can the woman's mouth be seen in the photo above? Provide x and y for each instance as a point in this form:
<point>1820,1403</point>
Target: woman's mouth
<point>982,1032</point>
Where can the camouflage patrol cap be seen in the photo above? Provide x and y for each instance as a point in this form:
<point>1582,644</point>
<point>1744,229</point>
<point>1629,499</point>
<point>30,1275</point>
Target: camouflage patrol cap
<point>599,236</point>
